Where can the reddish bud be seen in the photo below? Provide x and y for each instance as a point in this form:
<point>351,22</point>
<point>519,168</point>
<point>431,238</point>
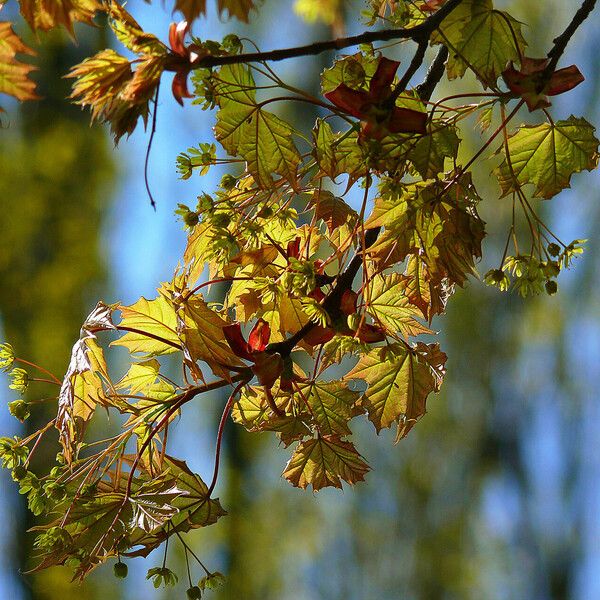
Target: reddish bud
<point>177,32</point>
<point>267,368</point>
<point>259,336</point>
<point>318,335</point>
<point>236,341</point>
<point>348,302</point>
<point>293,248</point>
<point>370,333</point>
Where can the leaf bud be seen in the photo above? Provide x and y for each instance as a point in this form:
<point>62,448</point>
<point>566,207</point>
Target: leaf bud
<point>7,357</point>
<point>553,249</point>
<point>190,218</point>
<point>221,219</point>
<point>120,570</point>
<point>19,473</point>
<point>19,409</point>
<point>19,380</point>
<point>232,44</point>
<point>194,593</point>
<point>228,181</point>
<point>551,288</point>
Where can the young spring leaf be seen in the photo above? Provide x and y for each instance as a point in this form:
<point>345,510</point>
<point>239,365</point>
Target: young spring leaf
<point>400,379</point>
<point>388,303</point>
<point>323,462</point>
<point>547,155</point>
<point>155,324</point>
<point>481,38</point>
<point>14,74</point>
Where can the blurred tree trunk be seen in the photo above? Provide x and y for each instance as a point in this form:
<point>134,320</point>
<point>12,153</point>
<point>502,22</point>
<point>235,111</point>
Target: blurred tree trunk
<point>55,180</point>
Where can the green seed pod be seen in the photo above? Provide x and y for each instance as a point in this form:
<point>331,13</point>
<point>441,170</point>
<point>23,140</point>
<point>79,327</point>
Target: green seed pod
<point>553,249</point>
<point>551,288</point>
<point>194,593</point>
<point>120,570</point>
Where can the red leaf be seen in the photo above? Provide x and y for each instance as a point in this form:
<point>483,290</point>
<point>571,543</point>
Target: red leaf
<point>348,302</point>
<point>236,341</point>
<point>370,333</point>
<point>318,335</point>
<point>405,120</point>
<point>293,248</point>
<point>354,102</point>
<point>564,80</point>
<point>177,33</point>
<point>179,86</point>
<point>383,79</point>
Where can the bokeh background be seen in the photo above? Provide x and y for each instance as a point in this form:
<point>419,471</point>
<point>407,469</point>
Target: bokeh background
<point>494,495</point>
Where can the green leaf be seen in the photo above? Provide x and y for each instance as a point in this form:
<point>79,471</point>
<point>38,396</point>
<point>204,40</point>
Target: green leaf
<point>481,38</point>
<point>140,376</point>
<point>547,155</point>
<point>429,152</point>
<point>388,303</point>
<point>400,380</point>
<point>245,129</point>
<point>155,322</point>
<point>325,462</point>
<point>332,405</point>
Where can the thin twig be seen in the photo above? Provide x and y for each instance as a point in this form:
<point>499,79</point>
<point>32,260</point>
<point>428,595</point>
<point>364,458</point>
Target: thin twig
<point>560,43</point>
<point>147,159</point>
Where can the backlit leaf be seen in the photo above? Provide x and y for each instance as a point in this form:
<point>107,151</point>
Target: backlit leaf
<point>388,303</point>
<point>325,462</point>
<point>547,155</point>
<point>46,14</point>
<point>399,381</point>
<point>14,74</point>
<point>155,325</point>
<point>332,405</point>
<point>481,38</point>
<point>245,129</point>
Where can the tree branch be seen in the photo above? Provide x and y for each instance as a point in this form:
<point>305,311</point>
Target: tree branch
<point>419,33</point>
<point>434,75</point>
<point>560,43</point>
<point>332,302</point>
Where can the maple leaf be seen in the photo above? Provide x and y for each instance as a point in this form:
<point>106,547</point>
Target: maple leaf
<point>325,461</point>
<point>528,82</point>
<point>14,74</point>
<point>245,129</point>
<point>43,15</point>
<point>82,390</point>
<point>400,380</point>
<point>140,377</point>
<point>481,38</point>
<point>388,303</point>
<point>370,106</point>
<point>130,33</point>
<point>332,405</point>
<point>547,155</point>
<point>153,325</point>
<point>203,333</point>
